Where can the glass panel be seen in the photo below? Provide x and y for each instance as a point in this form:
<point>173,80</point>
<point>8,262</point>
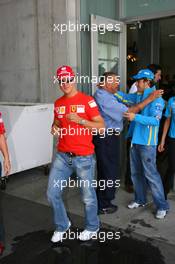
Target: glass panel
<point>108,52</point>
<point>145,7</point>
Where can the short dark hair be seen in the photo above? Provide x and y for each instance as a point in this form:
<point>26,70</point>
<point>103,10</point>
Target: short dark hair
<point>154,68</point>
<point>106,75</point>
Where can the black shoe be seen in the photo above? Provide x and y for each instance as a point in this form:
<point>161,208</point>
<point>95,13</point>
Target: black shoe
<point>109,210</point>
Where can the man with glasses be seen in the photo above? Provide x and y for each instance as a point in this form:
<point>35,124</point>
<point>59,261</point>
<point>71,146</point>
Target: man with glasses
<point>75,115</point>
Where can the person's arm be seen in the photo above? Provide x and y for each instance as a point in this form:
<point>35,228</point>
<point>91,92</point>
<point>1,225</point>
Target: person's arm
<point>152,120</point>
<point>138,107</point>
<point>5,153</point>
<point>144,120</point>
<point>55,127</point>
<point>93,120</point>
<point>127,99</point>
<point>166,126</point>
<point>167,123</point>
<point>96,122</point>
<point>56,122</point>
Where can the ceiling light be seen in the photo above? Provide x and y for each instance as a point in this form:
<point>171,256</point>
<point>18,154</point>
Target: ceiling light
<point>144,5</point>
<point>133,27</point>
<point>171,35</point>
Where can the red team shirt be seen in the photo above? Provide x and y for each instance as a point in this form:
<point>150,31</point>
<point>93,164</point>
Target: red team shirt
<point>78,139</point>
<point>2,127</point>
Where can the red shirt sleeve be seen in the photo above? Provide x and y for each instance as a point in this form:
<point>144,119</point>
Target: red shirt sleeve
<point>92,108</point>
<point>2,127</point>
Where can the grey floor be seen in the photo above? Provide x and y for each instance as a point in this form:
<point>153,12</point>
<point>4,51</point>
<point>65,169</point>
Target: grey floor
<point>30,187</point>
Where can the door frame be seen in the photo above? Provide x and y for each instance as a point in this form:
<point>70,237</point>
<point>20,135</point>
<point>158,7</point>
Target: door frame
<point>98,20</point>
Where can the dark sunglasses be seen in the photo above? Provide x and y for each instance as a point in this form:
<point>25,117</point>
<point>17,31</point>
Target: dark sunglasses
<point>66,81</point>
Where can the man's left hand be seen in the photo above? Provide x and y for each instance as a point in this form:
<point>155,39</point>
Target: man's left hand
<point>73,117</point>
<point>129,116</point>
<point>156,94</point>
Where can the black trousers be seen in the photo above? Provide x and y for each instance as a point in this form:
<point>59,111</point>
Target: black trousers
<point>169,177</point>
<point>107,151</point>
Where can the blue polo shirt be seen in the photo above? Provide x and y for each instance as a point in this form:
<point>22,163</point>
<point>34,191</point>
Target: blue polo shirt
<point>111,110</point>
<point>170,112</point>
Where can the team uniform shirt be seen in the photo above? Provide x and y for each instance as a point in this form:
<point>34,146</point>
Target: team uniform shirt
<point>111,111</point>
<point>146,127</point>
<point>75,138</point>
<point>2,127</point>
<point>128,99</point>
<point>170,112</point>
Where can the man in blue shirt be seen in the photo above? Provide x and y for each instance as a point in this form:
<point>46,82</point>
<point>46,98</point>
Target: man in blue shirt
<point>144,146</point>
<point>169,125</point>
<point>107,147</point>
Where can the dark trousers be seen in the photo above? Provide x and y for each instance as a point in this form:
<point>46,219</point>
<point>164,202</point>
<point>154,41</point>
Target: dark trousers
<point>107,151</point>
<point>1,222</point>
<point>169,177</point>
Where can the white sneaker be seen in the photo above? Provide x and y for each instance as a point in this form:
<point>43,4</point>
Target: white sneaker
<point>134,205</point>
<point>161,214</point>
<point>58,236</point>
<point>87,235</point>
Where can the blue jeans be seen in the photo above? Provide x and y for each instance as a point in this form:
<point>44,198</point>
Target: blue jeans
<point>62,168</point>
<point>143,172</point>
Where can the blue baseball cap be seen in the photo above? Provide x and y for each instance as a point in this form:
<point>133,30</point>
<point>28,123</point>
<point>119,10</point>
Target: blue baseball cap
<point>144,73</point>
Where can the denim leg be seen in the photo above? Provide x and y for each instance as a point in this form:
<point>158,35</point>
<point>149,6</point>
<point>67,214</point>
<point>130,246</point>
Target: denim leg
<point>137,175</point>
<point>85,170</point>
<point>59,174</point>
<point>148,158</point>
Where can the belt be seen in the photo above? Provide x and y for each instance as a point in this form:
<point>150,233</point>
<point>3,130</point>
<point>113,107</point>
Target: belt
<point>71,154</point>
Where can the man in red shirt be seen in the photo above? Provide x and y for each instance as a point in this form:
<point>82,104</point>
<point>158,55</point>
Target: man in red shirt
<point>6,165</point>
<point>76,115</point>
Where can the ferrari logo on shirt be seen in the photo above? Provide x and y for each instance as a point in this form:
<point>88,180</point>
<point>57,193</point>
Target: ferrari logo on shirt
<point>73,108</point>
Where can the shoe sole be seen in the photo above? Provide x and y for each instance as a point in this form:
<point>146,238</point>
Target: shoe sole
<point>161,218</point>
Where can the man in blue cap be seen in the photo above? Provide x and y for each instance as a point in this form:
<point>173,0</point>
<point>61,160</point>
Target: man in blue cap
<point>107,148</point>
<point>144,145</point>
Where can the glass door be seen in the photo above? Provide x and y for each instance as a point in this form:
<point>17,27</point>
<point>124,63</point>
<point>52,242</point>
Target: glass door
<point>108,49</point>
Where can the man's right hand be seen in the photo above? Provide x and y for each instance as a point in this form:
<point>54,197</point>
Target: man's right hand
<point>55,130</point>
<point>7,166</point>
<point>156,94</point>
<point>161,146</point>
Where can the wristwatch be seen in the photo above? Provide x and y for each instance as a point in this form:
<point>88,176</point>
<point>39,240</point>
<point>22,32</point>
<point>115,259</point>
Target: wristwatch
<point>82,122</point>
